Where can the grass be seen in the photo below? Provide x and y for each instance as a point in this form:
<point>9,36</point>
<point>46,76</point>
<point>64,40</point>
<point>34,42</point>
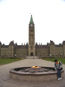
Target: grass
<point>8,60</point>
<point>52,59</point>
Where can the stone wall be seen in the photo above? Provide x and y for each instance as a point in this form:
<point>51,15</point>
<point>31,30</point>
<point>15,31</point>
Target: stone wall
<point>13,50</point>
<point>63,48</point>
<point>21,51</point>
<point>42,50</point>
<point>4,51</point>
<point>49,50</point>
<point>58,51</point>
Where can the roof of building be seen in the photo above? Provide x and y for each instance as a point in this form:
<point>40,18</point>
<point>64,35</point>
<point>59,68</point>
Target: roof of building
<point>31,20</point>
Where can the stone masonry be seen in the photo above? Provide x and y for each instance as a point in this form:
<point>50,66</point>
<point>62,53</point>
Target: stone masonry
<point>32,48</point>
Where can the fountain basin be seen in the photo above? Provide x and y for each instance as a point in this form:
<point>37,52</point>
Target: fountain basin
<point>34,74</point>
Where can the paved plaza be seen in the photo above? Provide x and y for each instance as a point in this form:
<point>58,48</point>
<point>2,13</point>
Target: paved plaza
<point>6,81</point>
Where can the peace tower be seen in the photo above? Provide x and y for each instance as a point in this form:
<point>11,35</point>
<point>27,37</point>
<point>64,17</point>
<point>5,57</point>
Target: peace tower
<point>31,47</point>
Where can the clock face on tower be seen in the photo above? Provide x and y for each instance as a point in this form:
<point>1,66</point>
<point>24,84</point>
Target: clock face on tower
<point>31,25</point>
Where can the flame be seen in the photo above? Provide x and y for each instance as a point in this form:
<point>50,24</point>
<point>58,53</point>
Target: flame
<point>35,67</point>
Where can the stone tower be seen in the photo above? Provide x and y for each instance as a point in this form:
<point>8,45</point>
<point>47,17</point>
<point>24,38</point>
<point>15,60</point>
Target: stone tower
<point>31,48</point>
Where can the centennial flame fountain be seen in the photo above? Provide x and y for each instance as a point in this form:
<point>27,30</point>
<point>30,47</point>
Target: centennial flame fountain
<point>34,73</point>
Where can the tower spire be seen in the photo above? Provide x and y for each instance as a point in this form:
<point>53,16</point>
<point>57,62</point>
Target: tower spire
<point>31,46</point>
<point>31,20</point>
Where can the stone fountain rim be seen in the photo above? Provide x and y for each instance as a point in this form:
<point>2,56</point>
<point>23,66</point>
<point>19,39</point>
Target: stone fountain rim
<point>33,74</point>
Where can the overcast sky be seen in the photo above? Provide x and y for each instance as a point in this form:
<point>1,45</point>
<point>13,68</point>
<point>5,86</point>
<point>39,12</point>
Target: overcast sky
<point>48,16</point>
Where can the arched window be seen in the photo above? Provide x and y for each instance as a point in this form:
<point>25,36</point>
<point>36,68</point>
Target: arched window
<point>31,54</point>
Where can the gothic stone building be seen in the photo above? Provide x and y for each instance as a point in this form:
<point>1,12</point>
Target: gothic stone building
<point>32,49</point>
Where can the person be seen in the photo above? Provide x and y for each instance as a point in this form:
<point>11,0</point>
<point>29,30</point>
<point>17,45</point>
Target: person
<point>58,67</point>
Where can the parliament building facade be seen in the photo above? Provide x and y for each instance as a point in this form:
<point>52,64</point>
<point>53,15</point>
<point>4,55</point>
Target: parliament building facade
<point>32,48</point>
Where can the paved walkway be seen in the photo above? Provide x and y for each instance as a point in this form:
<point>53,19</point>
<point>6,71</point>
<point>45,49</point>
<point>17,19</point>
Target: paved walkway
<point>6,81</point>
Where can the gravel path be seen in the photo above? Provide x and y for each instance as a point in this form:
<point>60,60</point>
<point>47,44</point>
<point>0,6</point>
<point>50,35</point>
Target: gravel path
<point>6,81</point>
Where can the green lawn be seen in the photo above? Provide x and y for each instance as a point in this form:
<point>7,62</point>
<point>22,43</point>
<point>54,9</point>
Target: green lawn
<point>52,59</point>
<point>8,60</point>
